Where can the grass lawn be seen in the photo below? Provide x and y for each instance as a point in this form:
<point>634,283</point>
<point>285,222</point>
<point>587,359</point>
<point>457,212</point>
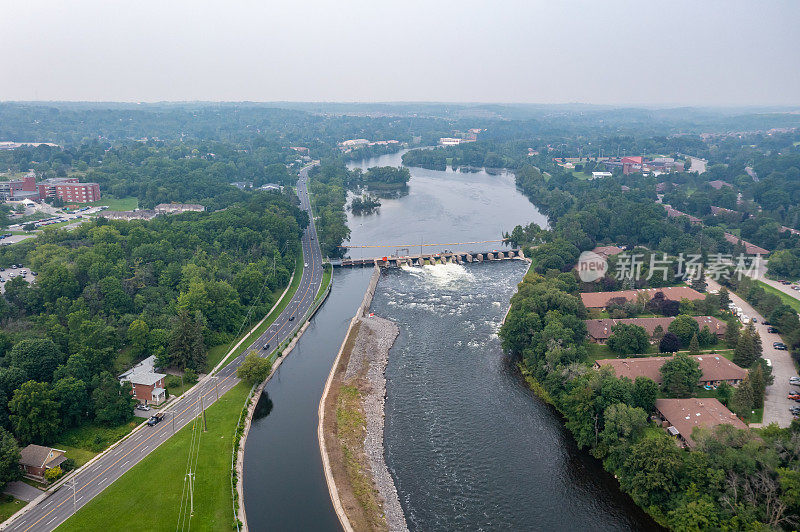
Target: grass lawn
<point>326,280</point>
<point>216,353</point>
<point>125,501</point>
<point>115,204</point>
<point>9,506</point>
<point>94,437</point>
<point>79,456</point>
<point>785,298</point>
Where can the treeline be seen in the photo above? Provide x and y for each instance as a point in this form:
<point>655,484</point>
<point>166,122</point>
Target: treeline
<point>470,154</point>
<point>380,178</point>
<point>111,292</point>
<point>329,183</point>
<point>160,172</point>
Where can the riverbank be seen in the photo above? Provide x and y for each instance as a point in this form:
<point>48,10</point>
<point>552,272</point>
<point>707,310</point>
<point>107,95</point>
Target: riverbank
<point>351,425</point>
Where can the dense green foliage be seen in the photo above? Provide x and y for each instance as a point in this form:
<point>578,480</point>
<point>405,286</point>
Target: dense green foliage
<point>733,479</point>
<point>111,292</point>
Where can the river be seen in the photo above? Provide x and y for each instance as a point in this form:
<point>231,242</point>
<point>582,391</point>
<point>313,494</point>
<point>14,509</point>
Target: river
<point>468,445</point>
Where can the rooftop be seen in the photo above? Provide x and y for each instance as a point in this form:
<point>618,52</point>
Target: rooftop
<point>675,293</point>
<point>36,455</point>
<point>601,329</point>
<point>686,414</point>
<point>714,367</point>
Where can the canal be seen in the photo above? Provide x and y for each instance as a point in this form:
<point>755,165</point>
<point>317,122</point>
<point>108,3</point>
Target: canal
<point>468,445</point>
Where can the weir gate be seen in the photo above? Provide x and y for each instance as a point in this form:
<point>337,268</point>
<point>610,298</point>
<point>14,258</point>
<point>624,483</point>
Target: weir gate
<point>448,257</point>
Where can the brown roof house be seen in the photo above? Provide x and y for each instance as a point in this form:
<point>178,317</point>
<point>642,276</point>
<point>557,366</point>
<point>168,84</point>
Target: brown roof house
<point>600,300</point>
<point>750,249</point>
<point>600,330</point>
<point>681,416</point>
<point>715,368</point>
<point>36,459</point>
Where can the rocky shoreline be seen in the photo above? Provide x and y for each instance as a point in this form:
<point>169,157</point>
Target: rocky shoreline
<point>368,360</point>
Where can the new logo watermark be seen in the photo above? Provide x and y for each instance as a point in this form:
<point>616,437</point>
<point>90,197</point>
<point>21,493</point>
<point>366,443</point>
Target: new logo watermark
<point>591,266</point>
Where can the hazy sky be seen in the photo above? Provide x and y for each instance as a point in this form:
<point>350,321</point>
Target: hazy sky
<point>552,51</point>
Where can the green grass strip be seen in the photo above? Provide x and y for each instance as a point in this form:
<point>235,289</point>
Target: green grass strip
<point>148,497</point>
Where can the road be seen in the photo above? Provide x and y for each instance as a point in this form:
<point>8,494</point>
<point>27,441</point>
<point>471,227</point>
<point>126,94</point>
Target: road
<point>98,475</point>
<point>761,275</point>
<point>776,404</point>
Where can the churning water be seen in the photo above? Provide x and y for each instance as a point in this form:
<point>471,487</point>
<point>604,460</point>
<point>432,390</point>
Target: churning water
<point>470,448</point>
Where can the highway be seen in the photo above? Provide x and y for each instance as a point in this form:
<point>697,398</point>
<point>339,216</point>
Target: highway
<point>98,475</point>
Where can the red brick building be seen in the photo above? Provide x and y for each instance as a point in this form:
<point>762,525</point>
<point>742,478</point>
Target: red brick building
<point>69,189</point>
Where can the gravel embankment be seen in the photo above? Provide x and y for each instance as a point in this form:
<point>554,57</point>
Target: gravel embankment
<point>368,359</point>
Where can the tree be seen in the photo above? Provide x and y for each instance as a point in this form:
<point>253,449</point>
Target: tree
<point>53,474</point>
<point>186,343</point>
<point>670,343</point>
<point>748,347</point>
<point>652,470</point>
<point>254,369</point>
<point>724,393</point>
<point>34,413</point>
<point>138,333</point>
<point>645,393</point>
<point>73,398</point>
<point>724,298</point>
<point>37,357</point>
<point>658,334</point>
<point>743,400</point>
<point>694,345</point>
<point>680,375</point>
<point>628,339</point>
<point>9,458</point>
<point>732,332</point>
<point>113,402</point>
<point>623,425</point>
<point>758,383</point>
<point>684,327</point>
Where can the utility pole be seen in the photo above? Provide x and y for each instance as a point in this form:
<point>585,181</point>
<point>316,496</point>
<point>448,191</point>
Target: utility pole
<point>191,493</point>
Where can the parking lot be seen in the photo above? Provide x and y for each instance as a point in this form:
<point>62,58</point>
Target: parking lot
<point>6,274</point>
<point>776,401</point>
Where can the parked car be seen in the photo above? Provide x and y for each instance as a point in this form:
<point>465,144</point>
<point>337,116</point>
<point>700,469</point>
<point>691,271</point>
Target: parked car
<point>754,320</point>
<point>154,420</point>
<point>772,330</point>
<point>794,380</point>
<point>140,406</point>
<point>794,396</point>
<point>780,346</point>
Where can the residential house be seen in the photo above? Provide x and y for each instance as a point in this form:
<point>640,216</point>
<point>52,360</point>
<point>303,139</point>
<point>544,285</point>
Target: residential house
<point>600,330</point>
<point>716,368</point>
<point>36,459</point>
<point>681,416</point>
<point>600,300</point>
<point>148,385</point>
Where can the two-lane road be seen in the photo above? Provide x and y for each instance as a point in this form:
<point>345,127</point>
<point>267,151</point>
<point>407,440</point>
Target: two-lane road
<point>97,476</point>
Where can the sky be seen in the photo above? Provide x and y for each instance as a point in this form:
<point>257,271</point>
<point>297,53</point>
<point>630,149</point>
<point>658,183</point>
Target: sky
<point>637,52</point>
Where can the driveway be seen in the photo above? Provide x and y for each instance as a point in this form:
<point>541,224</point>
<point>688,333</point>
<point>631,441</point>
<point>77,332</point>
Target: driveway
<point>776,405</point>
<point>20,490</point>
